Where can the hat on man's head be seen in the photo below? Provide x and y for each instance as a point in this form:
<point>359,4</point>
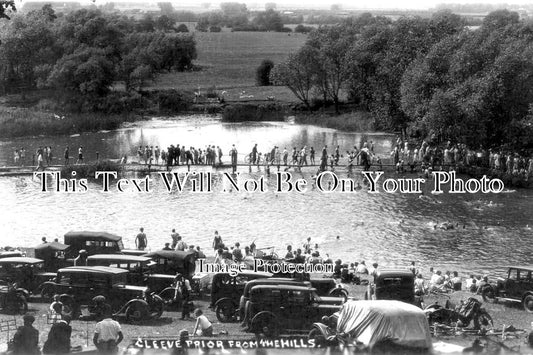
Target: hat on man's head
<point>28,318</point>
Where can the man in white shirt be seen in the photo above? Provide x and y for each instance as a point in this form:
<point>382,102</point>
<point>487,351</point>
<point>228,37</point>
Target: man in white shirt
<point>107,336</point>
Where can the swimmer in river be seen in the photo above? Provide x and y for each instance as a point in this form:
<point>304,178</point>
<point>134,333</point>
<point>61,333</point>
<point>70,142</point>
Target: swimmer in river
<point>338,237</point>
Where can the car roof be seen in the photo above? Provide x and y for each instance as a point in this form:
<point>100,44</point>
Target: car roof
<point>283,287</point>
<point>528,268</point>
<point>274,280</point>
<point>94,269</point>
<point>119,257</point>
<point>20,260</point>
<point>92,235</point>
<point>395,272</point>
<point>9,254</point>
<point>176,255</point>
<point>259,274</point>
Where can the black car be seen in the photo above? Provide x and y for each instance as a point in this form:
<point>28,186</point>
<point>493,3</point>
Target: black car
<point>279,308</point>
<point>79,285</point>
<point>171,262</point>
<point>92,243</point>
<point>138,267</point>
<point>517,287</point>
<point>27,273</point>
<point>226,292</point>
<point>398,285</point>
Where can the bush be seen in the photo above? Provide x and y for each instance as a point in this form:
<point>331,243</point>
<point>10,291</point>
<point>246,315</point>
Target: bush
<point>245,28</point>
<point>303,29</point>
<point>17,122</point>
<point>47,105</point>
<point>250,112</point>
<point>215,29</point>
<point>171,101</point>
<point>262,73</point>
<point>286,29</point>
<point>211,93</point>
<point>182,28</point>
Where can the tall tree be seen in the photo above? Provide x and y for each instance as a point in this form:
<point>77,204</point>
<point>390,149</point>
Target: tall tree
<point>332,45</point>
<point>298,73</point>
<point>5,5</point>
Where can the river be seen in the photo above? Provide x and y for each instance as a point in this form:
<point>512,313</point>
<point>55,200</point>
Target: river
<point>492,230</point>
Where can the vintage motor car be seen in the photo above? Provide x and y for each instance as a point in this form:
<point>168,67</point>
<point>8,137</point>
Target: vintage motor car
<point>171,262</point>
<point>92,243</point>
<point>517,287</point>
<point>138,267</point>
<point>248,287</point>
<point>372,325</point>
<point>326,286</point>
<point>396,285</point>
<point>27,273</point>
<point>13,299</point>
<point>10,254</point>
<point>79,285</point>
<point>53,254</point>
<point>279,308</point>
<point>226,292</point>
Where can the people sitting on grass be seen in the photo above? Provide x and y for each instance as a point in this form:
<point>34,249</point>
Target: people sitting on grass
<point>203,326</point>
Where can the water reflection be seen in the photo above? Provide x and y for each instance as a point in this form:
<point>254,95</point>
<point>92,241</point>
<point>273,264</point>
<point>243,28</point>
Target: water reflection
<point>392,229</point>
<point>190,131</point>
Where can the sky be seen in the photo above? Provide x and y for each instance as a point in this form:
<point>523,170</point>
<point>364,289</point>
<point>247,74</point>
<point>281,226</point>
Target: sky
<point>326,4</point>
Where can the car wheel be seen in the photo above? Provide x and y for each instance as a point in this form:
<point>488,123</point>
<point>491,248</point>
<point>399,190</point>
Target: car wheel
<point>47,294</point>
<point>225,311</point>
<point>265,323</point>
<point>485,319</point>
<point>135,313</point>
<point>316,335</point>
<point>528,303</point>
<point>488,295</point>
<point>339,292</point>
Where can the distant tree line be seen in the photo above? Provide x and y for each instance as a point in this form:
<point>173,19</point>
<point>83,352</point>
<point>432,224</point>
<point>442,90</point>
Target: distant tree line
<point>81,56</point>
<point>237,17</point>
<point>427,77</point>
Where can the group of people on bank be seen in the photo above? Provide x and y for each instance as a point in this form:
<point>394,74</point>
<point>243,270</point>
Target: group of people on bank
<point>451,156</point>
<point>43,157</point>
<point>404,156</point>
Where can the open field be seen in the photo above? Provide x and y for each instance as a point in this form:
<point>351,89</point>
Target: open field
<point>229,60</point>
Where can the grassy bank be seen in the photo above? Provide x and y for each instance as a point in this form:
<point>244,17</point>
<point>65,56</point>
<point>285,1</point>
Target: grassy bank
<point>358,121</point>
<point>17,122</point>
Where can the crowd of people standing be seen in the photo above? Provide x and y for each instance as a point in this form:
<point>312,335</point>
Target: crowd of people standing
<point>405,156</point>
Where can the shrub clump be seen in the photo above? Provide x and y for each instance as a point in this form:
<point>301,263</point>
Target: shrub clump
<point>262,73</point>
<point>250,112</point>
